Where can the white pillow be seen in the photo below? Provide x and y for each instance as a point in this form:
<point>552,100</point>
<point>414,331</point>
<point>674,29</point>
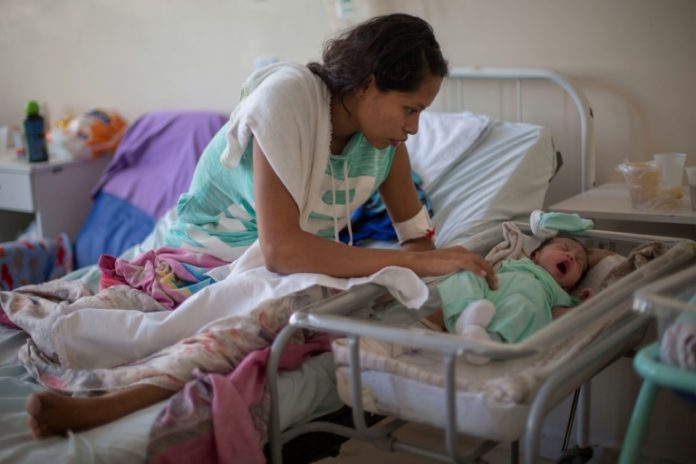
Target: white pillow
<point>442,140</point>
<point>596,274</point>
<point>504,177</point>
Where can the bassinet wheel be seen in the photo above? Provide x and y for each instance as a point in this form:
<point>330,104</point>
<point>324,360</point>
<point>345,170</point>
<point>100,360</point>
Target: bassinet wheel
<point>576,455</point>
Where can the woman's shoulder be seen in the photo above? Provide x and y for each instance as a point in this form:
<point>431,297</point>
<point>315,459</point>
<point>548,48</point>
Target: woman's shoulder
<point>283,78</point>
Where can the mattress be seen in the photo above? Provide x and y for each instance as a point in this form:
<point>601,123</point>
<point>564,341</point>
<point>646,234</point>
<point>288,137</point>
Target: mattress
<point>492,401</point>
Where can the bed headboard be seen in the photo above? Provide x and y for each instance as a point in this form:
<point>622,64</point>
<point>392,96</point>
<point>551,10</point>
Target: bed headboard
<point>454,96</point>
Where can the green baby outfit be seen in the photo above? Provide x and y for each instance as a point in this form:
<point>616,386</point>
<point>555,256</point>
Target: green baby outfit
<point>524,298</point>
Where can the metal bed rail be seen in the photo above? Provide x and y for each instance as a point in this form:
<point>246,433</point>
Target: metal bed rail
<point>680,253</point>
<point>568,377</point>
<point>332,316</point>
<point>587,156</point>
<point>555,389</point>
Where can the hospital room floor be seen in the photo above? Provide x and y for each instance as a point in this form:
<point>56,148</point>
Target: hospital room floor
<point>358,452</point>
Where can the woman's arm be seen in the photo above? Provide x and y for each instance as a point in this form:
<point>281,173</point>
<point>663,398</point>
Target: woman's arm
<point>288,249</point>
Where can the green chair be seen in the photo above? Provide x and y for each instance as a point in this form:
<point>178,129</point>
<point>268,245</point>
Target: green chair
<point>655,374</point>
<point>671,300</point>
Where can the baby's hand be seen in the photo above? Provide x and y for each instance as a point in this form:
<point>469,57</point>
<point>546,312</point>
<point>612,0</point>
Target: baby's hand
<point>558,311</point>
<point>585,293</point>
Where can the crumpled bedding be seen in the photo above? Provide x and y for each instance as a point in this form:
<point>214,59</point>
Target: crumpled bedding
<point>638,257</point>
<point>121,336</point>
<point>169,275</point>
<point>219,348</point>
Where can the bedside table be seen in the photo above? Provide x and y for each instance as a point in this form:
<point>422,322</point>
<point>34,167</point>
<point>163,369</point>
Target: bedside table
<point>610,206</point>
<point>56,193</point>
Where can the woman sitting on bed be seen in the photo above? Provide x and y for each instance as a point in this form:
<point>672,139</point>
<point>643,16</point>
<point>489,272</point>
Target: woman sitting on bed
<point>305,147</point>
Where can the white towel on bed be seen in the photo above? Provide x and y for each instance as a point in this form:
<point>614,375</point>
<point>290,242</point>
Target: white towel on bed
<point>91,338</point>
<point>294,133</point>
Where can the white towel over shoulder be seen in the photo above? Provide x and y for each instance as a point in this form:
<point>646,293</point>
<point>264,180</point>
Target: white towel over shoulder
<point>286,109</point>
<point>93,338</point>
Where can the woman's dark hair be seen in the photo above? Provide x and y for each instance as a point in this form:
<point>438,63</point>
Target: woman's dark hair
<point>399,50</point>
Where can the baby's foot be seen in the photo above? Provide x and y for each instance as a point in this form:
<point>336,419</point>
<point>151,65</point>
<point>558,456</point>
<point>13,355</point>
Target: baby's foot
<point>479,312</point>
<point>475,332</point>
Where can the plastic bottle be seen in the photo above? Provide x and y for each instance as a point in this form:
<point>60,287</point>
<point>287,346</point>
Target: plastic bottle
<point>35,133</point>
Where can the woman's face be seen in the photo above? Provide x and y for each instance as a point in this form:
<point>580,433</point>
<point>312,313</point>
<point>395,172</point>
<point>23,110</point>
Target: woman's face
<point>389,117</point>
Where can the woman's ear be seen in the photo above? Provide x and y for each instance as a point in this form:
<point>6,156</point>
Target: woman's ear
<point>368,85</point>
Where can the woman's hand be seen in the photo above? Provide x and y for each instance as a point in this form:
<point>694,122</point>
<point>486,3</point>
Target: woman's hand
<point>453,259</point>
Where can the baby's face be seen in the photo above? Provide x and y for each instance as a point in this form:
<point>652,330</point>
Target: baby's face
<point>563,258</point>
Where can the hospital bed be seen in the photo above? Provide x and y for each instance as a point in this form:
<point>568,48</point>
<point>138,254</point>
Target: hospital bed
<point>427,379</point>
<point>501,174</point>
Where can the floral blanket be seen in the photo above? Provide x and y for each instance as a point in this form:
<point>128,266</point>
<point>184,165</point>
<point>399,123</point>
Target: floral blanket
<point>218,371</point>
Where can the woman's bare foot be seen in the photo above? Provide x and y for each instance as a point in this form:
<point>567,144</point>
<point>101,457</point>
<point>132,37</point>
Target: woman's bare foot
<point>54,414</point>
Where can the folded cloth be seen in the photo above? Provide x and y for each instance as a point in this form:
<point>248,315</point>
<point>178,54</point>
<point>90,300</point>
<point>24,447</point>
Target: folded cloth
<point>515,245</point>
<point>678,345</point>
<point>546,225</point>
<point>639,256</point>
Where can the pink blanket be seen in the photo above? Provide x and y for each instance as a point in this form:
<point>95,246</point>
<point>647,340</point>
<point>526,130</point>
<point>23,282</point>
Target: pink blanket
<point>218,418</point>
<point>169,275</point>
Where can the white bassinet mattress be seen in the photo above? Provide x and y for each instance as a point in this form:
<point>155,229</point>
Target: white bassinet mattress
<point>492,401</point>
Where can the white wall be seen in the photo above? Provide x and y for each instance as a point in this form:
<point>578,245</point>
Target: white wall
<point>135,56</point>
<point>635,59</point>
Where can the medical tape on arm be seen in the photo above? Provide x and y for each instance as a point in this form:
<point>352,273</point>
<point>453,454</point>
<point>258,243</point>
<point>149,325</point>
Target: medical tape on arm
<point>418,226</point>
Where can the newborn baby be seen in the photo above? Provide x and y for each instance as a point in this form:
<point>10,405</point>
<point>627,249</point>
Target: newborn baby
<point>531,292</point>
